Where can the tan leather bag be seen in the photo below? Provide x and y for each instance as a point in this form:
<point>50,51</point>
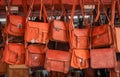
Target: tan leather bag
<point>80,59</point>
<point>102,58</point>
<point>57,60</point>
<point>36,32</point>
<point>14,53</point>
<point>35,55</point>
<point>78,37</point>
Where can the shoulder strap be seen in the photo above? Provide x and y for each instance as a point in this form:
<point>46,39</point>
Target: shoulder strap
<point>24,5</point>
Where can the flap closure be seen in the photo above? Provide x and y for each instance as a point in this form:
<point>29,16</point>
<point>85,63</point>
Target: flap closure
<point>59,25</point>
<point>58,55</point>
<point>81,32</point>
<point>100,30</point>
<point>36,49</point>
<point>41,26</point>
<point>16,48</point>
<point>16,20</point>
<point>84,54</point>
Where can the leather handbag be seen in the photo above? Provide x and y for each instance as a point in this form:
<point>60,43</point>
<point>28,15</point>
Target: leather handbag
<point>18,71</point>
<point>35,55</point>
<point>57,60</point>
<point>14,53</point>
<point>80,59</point>
<point>101,36</point>
<point>78,37</point>
<point>15,24</point>
<point>3,66</point>
<point>102,58</point>
<point>36,32</point>
<point>58,31</point>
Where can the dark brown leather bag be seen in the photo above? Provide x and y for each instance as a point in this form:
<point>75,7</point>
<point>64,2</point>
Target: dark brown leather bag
<point>102,58</point>
<point>3,66</point>
<point>18,71</point>
<point>80,59</point>
<point>57,60</point>
<point>35,55</point>
<point>78,37</point>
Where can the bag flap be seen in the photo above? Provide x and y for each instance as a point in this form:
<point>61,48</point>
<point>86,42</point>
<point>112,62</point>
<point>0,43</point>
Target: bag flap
<point>99,30</point>
<point>81,32</point>
<point>84,54</point>
<point>59,25</point>
<point>43,27</point>
<point>58,55</point>
<point>36,49</point>
<point>17,20</point>
<point>16,48</point>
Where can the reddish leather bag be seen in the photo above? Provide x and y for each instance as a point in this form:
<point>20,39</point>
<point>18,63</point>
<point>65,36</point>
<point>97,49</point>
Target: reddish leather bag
<point>59,31</point>
<point>35,56</point>
<point>102,58</point>
<point>37,32</point>
<point>14,53</point>
<point>101,36</point>
<point>15,25</point>
<point>80,59</point>
<point>57,60</point>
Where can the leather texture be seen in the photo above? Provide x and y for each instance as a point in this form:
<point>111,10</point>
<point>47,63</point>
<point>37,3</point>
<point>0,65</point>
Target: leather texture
<point>36,32</point>
<point>79,38</point>
<point>15,25</point>
<point>59,31</point>
<point>103,58</point>
<point>117,31</point>
<point>35,55</point>
<point>3,66</point>
<point>80,59</point>
<point>101,36</point>
<point>18,71</point>
<point>14,53</point>
<point>57,60</point>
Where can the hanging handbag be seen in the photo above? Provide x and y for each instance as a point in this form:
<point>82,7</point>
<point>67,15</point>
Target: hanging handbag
<point>37,32</point>
<point>35,55</point>
<point>79,38</point>
<point>59,29</point>
<point>15,23</point>
<point>101,36</point>
<point>57,60</point>
<point>14,53</point>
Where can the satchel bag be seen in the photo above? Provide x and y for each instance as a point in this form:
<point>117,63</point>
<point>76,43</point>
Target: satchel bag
<point>57,60</point>
<point>101,36</point>
<point>80,59</point>
<point>36,32</point>
<point>58,31</point>
<point>78,37</point>
<point>102,58</point>
<point>15,24</point>
<point>14,53</point>
<point>35,55</point>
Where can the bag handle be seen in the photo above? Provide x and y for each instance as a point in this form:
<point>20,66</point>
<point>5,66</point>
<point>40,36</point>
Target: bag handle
<point>42,9</point>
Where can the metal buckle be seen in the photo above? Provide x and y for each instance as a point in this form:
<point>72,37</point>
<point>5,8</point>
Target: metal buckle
<point>19,25</point>
<point>57,29</point>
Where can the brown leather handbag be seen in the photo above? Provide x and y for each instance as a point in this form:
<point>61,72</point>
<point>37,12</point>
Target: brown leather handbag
<point>35,55</point>
<point>14,53</point>
<point>36,32</point>
<point>102,58</point>
<point>58,31</point>
<point>57,60</point>
<point>3,66</point>
<point>80,59</point>
<point>15,24</point>
<point>101,36</point>
<point>78,37</point>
